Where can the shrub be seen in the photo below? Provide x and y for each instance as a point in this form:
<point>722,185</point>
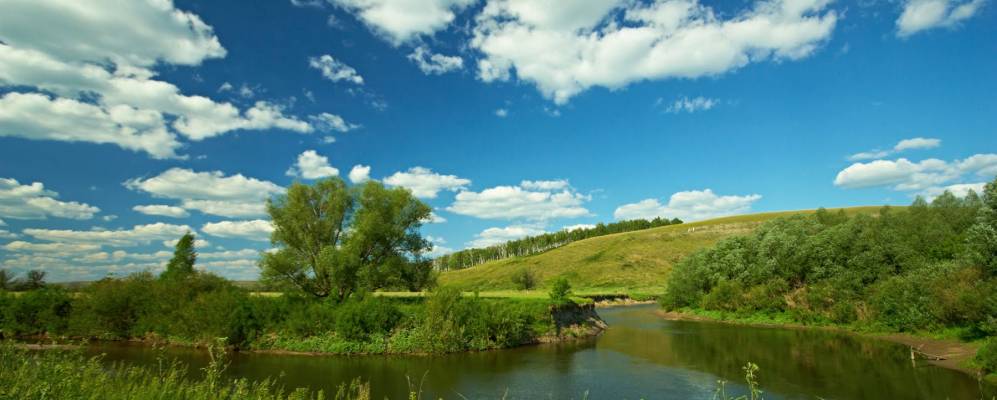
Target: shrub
<point>986,356</point>
<point>560,291</point>
<point>726,296</point>
<point>42,311</point>
<point>358,320</point>
<point>524,279</point>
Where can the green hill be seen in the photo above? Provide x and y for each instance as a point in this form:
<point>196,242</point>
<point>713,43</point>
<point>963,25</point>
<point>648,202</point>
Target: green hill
<point>631,262</point>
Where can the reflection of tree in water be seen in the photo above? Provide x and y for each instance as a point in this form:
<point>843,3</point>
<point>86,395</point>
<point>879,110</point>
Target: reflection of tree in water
<point>792,361</point>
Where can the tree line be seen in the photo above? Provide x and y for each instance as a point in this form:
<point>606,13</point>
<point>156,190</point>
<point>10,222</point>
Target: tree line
<point>532,245</point>
<point>929,267</point>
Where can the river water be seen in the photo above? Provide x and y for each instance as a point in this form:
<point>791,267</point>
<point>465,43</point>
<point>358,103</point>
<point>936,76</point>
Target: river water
<point>639,356</point>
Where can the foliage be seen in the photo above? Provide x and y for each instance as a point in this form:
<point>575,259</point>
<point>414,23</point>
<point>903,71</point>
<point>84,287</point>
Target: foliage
<point>6,280</point>
<point>332,240</point>
<point>983,235</point>
<point>560,291</point>
<point>986,356</point>
<point>359,320</point>
<point>538,244</point>
<point>900,270</point>
<point>524,279</point>
<point>70,375</point>
<point>184,258</point>
<point>37,312</point>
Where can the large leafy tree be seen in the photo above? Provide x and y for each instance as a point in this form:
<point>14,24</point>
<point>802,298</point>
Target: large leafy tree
<point>6,280</point>
<point>332,240</point>
<point>184,258</point>
<point>983,235</point>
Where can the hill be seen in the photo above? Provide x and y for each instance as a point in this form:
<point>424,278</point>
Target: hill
<point>630,262</point>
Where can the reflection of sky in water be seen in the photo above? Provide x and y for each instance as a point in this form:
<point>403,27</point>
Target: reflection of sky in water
<point>640,356</point>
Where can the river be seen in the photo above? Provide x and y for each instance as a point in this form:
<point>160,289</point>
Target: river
<point>639,356</point>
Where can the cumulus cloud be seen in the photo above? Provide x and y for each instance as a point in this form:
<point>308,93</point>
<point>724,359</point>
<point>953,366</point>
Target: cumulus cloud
<point>501,113</point>
<point>434,218</point>
<point>335,70</point>
<point>311,165</point>
<point>425,183</point>
<point>904,175</point>
<point>918,143</point>
<point>209,192</point>
<point>532,200</point>
<point>687,105</point>
<point>566,48</point>
<point>921,15</point>
<point>258,229</point>
<point>399,21</point>
<point>96,60</point>
<point>35,202</point>
<point>359,173</point>
<point>5,234</point>
<point>576,227</point>
<point>435,64</point>
<point>162,210</point>
<point>198,243</point>
<point>137,235</point>
<point>689,205</point>
<point>493,236</point>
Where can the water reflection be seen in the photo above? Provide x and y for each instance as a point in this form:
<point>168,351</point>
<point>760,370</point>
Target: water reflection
<point>640,356</point>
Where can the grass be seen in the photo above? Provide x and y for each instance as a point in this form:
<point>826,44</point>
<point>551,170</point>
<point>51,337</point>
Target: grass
<point>625,263</point>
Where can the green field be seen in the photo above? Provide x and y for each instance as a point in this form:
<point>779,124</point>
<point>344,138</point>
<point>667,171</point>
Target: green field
<point>624,263</point>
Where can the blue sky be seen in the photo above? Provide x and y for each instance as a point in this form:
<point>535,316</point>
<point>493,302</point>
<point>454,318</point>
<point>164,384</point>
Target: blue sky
<point>121,127</point>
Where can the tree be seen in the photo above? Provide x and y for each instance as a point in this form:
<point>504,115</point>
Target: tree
<point>6,280</point>
<point>983,234</point>
<point>560,291</point>
<point>35,279</point>
<point>332,240</point>
<point>524,279</point>
<point>184,257</point>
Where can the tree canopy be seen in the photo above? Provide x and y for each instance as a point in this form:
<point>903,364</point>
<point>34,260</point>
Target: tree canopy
<point>332,240</point>
<point>184,258</point>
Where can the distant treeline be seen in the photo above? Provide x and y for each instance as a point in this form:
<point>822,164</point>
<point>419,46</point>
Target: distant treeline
<point>531,245</point>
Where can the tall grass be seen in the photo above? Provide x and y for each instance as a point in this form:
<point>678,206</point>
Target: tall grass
<point>56,374</point>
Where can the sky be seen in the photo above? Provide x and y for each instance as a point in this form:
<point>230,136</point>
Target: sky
<point>125,124</point>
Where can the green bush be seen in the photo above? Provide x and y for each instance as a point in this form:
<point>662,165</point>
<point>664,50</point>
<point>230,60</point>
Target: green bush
<point>358,320</point>
<point>560,291</point>
<point>524,279</point>
<point>726,296</point>
<point>38,312</point>
<point>986,356</point>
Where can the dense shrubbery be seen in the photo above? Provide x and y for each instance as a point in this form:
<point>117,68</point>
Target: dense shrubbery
<point>920,268</point>
<point>986,357</point>
<point>197,308</point>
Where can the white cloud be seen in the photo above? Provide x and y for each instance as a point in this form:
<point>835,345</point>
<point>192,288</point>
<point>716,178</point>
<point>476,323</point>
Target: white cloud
<point>5,234</point>
<point>328,140</point>
<point>139,33</point>
<point>545,185</point>
<point>137,235</point>
<point>229,254</point>
<point>576,227</point>
<point>438,248</point>
<point>959,190</point>
<point>493,236</point>
<point>2,223</point>
<point>690,205</point>
<point>512,202</point>
<point>920,15</point>
<point>927,176</point>
<point>105,91</point>
<point>687,105</point>
<point>330,122</point>
<point>163,210</point>
<point>198,243</point>
<point>39,117</point>
<point>252,230</point>
<point>54,249</point>
<point>425,183</point>
<point>399,21</point>
<point>434,218</point>
<point>310,165</point>
<point>435,64</point>
<point>335,70</point>
<point>35,202</point>
<point>917,143</point>
<point>566,48</point>
<point>209,192</point>
<point>359,173</point>
<point>501,113</point>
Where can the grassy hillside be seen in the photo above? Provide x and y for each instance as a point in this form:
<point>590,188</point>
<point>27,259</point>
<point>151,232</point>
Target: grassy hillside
<point>621,263</point>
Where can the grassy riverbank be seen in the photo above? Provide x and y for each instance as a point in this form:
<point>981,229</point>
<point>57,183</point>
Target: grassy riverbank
<point>929,270</point>
<point>198,309</point>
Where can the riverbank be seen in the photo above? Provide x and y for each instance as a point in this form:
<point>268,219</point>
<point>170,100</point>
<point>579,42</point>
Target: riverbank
<point>943,352</point>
